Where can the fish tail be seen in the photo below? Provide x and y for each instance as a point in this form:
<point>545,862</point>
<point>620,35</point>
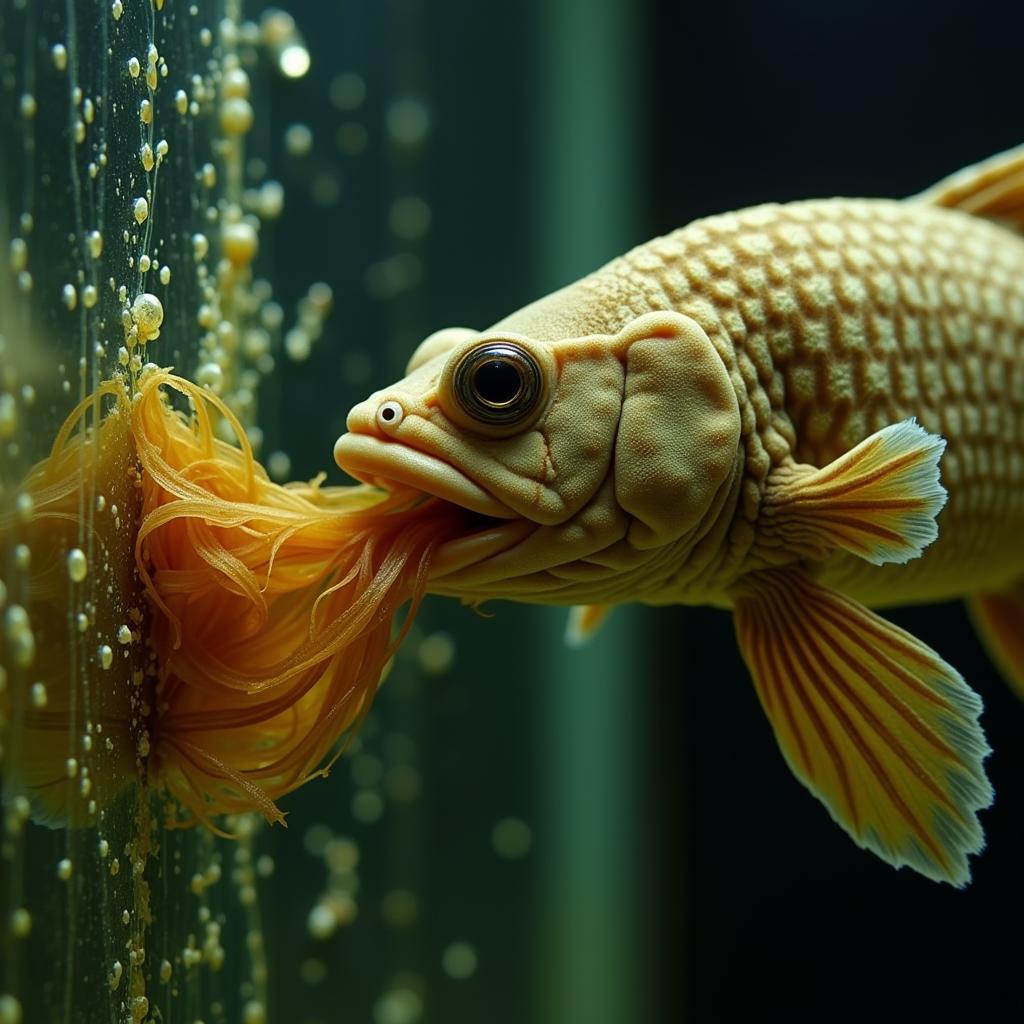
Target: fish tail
<point>999,619</point>
<point>993,188</point>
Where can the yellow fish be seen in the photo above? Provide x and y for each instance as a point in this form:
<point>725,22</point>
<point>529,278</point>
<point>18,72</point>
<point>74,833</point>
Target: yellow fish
<point>765,411</point>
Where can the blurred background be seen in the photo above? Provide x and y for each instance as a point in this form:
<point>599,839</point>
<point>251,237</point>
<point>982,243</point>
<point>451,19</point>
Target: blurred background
<point>522,832</point>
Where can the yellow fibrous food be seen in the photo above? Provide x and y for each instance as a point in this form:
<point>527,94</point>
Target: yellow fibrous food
<point>271,607</point>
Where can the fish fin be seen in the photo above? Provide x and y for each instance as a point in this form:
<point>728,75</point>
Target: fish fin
<point>999,619</point>
<point>871,720</point>
<point>993,188</point>
<point>584,621</point>
<point>878,501</point>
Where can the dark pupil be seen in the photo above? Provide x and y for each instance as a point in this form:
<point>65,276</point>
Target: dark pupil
<point>497,382</point>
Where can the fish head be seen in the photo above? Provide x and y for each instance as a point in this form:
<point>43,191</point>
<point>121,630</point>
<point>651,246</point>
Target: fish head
<point>574,444</point>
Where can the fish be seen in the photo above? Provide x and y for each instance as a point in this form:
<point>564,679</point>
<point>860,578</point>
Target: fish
<point>801,413</point>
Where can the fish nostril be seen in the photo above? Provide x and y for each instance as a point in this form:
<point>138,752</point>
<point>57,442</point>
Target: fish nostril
<point>389,415</point>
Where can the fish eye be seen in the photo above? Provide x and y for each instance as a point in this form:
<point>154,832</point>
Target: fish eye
<point>498,384</point>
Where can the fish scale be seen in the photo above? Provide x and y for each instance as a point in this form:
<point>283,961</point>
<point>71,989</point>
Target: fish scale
<point>835,318</point>
<point>798,412</point>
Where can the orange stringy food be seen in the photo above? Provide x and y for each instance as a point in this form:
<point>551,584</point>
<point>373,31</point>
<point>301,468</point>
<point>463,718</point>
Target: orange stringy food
<point>272,607</point>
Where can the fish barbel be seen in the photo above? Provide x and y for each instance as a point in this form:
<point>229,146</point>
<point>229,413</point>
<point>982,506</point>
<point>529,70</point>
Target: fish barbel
<point>754,412</point>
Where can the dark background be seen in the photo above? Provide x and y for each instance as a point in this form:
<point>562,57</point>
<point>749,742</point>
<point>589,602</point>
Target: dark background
<point>756,906</point>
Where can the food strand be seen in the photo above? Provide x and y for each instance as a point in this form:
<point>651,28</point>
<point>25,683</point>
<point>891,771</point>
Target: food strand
<point>272,607</point>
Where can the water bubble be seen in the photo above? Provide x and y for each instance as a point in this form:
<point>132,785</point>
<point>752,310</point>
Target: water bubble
<point>134,67</point>
<point>408,120</point>
<point>297,344</point>
<point>147,316</point>
<point>398,1005</point>
<point>298,139</point>
<point>347,91</point>
<point>64,869</point>
<point>240,243</point>
<point>10,1010</point>
<point>140,209</point>
<point>18,252</point>
<point>59,56</point>
<point>459,960</point>
<point>511,838</point>
<point>236,115</point>
<point>78,565</point>
<point>236,83</point>
<point>211,376</point>
<point>21,924</point>
<point>279,465</point>
<point>105,656</point>
<point>294,60</point>
<point>409,218</point>
<point>436,653</point>
<point>8,415</point>
<point>321,922</point>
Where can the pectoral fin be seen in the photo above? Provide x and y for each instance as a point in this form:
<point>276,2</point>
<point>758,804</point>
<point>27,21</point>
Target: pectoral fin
<point>999,618</point>
<point>872,721</point>
<point>584,621</point>
<point>879,500</point>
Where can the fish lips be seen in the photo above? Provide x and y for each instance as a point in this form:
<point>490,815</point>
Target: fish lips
<point>380,463</point>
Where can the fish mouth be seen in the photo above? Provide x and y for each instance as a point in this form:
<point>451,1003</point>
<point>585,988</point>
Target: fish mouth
<point>386,463</point>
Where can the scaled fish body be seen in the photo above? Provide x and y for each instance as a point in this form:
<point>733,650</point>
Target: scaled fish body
<point>754,412</point>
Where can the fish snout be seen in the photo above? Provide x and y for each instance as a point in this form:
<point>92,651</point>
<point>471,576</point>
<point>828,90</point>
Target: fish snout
<point>378,415</point>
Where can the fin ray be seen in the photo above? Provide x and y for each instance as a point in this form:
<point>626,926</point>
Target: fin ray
<point>878,501</point>
<point>873,722</point>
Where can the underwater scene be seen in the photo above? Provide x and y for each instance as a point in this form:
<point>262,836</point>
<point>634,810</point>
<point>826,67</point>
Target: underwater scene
<point>372,651</point>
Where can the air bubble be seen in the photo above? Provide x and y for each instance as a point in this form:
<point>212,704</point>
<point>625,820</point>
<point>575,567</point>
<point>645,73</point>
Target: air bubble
<point>459,961</point>
<point>347,91</point>
<point>140,209</point>
<point>408,121</point>
<point>236,115</point>
<point>236,83</point>
<point>298,139</point>
<point>147,316</point>
<point>210,376</point>
<point>240,243</point>
<point>511,838</point>
<point>78,565</point>
<point>21,925</point>
<point>105,656</point>
<point>279,465</point>
<point>59,55</point>
<point>294,60</point>
<point>8,415</point>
